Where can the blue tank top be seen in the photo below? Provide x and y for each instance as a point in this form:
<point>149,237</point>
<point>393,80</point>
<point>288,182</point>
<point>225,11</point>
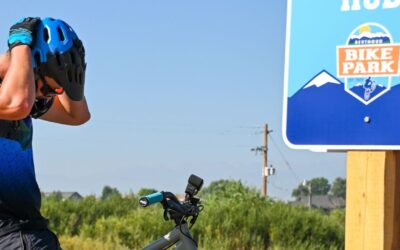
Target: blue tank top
<point>19,192</point>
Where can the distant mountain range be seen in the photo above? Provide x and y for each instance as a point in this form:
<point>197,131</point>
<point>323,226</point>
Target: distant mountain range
<point>323,113</point>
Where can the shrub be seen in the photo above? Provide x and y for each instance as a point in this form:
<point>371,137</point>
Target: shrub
<point>234,217</point>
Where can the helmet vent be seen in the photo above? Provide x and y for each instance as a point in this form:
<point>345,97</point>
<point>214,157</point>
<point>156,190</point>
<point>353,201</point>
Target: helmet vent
<point>80,78</point>
<point>69,74</point>
<point>46,35</point>
<point>58,59</point>
<point>76,76</point>
<point>60,34</point>
<point>73,60</point>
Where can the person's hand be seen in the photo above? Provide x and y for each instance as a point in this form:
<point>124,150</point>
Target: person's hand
<point>23,32</point>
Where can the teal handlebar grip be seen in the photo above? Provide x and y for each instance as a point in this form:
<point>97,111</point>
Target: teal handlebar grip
<point>151,199</point>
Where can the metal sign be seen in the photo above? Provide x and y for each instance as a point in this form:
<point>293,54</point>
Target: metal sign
<point>342,84</point>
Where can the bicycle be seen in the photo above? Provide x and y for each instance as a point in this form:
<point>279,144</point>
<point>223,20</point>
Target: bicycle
<point>180,212</point>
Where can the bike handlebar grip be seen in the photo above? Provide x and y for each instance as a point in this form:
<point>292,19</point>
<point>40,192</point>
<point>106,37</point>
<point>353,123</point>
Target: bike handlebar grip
<point>151,199</point>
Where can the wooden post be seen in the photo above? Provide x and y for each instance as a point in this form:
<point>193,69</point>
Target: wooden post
<point>373,200</point>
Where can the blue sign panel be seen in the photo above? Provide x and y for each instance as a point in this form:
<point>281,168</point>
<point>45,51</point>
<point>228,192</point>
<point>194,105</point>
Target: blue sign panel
<point>342,84</point>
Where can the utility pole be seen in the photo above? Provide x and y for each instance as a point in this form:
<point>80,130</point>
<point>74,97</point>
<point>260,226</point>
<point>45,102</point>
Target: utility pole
<point>307,184</point>
<point>265,170</point>
<point>265,163</point>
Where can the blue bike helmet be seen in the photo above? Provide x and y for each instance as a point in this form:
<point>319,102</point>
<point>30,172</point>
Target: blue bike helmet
<point>58,53</point>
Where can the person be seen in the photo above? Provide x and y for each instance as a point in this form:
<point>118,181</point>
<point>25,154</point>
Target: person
<point>42,76</point>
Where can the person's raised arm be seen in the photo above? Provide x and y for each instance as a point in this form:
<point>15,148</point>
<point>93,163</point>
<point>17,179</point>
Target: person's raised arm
<point>17,91</point>
<point>66,111</point>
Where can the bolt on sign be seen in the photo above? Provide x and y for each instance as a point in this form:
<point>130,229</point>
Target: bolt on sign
<point>342,84</point>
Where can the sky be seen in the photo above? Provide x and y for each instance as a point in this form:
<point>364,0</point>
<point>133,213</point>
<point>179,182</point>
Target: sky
<point>174,88</point>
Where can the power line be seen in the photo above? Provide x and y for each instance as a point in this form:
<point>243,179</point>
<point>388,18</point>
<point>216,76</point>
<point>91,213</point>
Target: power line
<point>279,187</point>
<point>284,159</point>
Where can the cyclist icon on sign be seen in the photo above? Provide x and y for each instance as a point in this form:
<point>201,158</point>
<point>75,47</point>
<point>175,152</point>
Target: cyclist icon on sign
<point>369,87</point>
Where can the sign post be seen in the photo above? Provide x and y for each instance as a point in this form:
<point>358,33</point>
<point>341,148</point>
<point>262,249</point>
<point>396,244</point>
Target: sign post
<point>342,93</point>
<point>372,203</point>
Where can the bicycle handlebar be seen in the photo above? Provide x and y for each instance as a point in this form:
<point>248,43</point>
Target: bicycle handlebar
<point>151,199</point>
<point>174,209</point>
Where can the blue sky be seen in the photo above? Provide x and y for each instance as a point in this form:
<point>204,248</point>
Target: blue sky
<point>174,88</point>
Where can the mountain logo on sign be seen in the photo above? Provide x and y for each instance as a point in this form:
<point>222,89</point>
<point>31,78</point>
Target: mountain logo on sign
<point>367,62</point>
<point>322,111</point>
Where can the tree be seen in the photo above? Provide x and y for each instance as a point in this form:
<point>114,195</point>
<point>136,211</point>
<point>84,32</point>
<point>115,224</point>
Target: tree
<point>109,192</point>
<point>319,186</point>
<point>301,190</point>
<point>339,187</point>
<point>227,189</point>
